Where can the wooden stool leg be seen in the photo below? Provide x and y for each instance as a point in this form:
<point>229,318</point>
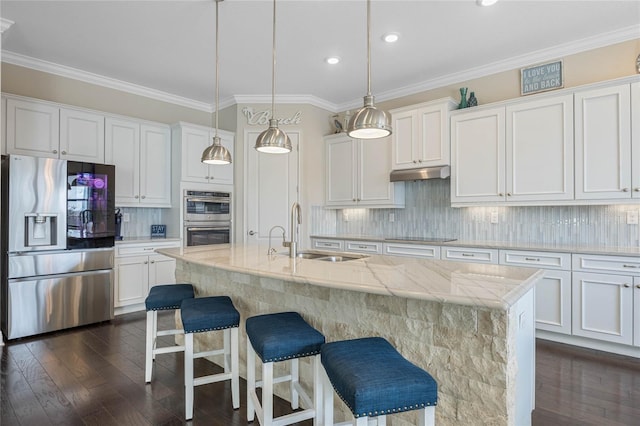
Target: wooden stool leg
<point>227,350</point>
<point>295,376</point>
<point>251,380</point>
<point>361,421</point>
<point>327,399</point>
<point>381,420</point>
<point>427,416</point>
<point>150,345</point>
<point>318,385</point>
<point>267,393</point>
<point>188,375</point>
<point>235,369</point>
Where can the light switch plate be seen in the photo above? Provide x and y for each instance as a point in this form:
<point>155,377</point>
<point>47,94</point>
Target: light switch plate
<point>125,217</point>
<point>632,217</point>
<point>494,217</point>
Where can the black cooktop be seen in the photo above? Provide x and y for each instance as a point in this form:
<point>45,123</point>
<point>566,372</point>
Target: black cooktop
<point>421,239</point>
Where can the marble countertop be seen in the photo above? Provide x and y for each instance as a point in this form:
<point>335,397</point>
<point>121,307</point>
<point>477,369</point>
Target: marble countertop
<point>599,250</point>
<point>492,286</point>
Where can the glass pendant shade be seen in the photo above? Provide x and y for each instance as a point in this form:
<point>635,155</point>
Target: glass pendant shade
<point>273,140</point>
<point>369,122</point>
<point>216,153</point>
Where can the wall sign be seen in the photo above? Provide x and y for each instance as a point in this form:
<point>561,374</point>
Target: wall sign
<point>541,78</point>
<point>261,118</point>
<point>158,231</point>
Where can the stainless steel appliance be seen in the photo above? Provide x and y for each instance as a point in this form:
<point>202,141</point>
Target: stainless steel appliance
<point>56,244</point>
<point>207,218</point>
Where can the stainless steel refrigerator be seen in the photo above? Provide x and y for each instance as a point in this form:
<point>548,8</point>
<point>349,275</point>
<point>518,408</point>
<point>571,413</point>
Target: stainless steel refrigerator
<point>56,243</point>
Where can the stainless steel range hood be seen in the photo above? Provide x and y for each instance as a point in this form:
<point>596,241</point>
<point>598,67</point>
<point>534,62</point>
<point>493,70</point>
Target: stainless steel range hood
<point>423,173</point>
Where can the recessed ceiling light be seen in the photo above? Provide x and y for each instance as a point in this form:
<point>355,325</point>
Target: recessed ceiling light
<point>332,60</point>
<point>486,2</point>
<point>391,37</point>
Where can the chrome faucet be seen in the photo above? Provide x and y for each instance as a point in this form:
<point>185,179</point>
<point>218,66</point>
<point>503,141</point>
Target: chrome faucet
<point>272,250</point>
<point>296,213</point>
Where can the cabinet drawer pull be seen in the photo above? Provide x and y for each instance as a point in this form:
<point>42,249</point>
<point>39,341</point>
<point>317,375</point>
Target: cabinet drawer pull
<point>468,254</point>
<point>363,247</point>
<point>630,266</point>
<point>626,285</point>
<point>533,259</point>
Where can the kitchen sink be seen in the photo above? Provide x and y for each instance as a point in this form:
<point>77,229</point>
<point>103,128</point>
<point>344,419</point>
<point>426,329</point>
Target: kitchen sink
<point>329,257</point>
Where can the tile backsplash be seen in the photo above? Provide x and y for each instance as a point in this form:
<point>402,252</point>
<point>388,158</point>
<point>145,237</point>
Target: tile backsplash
<point>140,221</point>
<point>428,213</point>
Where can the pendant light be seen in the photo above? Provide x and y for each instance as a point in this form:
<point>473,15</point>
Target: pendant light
<point>369,122</point>
<point>216,153</point>
<point>273,140</point>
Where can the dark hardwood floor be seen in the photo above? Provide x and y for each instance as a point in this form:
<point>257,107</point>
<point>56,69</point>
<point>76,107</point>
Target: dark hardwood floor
<point>94,375</point>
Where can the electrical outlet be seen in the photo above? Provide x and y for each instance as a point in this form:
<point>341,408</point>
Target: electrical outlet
<point>392,217</point>
<point>632,217</point>
<point>125,217</point>
<point>494,217</point>
<point>345,217</point>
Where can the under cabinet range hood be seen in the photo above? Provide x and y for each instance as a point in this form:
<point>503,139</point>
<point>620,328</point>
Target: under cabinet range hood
<point>423,173</point>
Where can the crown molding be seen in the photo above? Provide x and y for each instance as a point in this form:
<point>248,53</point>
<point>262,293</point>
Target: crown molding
<point>585,44</point>
<point>88,77</point>
<point>589,43</point>
<point>5,24</point>
<point>287,99</point>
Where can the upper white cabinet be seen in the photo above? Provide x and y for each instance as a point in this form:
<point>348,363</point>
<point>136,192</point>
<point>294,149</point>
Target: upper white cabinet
<point>358,173</point>
<point>43,129</point>
<point>141,152</point>
<point>539,143</point>
<point>635,145</point>
<point>518,153</point>
<point>190,141</point>
<point>477,156</point>
<point>603,143</point>
<point>421,135</point>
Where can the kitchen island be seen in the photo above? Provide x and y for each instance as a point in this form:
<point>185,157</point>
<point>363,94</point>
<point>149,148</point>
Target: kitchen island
<point>471,326</point>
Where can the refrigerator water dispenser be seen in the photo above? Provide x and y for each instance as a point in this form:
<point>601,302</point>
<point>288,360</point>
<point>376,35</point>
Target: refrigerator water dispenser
<point>40,229</point>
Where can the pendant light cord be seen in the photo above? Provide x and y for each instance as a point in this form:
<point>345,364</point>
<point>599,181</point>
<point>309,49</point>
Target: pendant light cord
<point>273,66</point>
<point>217,69</point>
<point>368,47</point>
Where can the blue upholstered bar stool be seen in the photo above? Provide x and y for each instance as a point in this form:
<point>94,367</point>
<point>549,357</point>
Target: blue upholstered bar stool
<point>162,298</point>
<point>280,337</point>
<point>374,380</point>
<point>209,314</point>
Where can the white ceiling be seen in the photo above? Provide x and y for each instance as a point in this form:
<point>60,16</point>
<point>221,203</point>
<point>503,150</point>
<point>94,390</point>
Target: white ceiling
<point>168,47</point>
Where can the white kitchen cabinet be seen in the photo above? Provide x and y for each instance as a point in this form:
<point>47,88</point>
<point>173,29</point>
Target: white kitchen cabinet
<point>603,293</point>
<point>364,247</point>
<point>81,136</point>
<point>477,156</point>
<point>468,254</point>
<point>327,244</point>
<point>421,135</point>
<point>137,269</point>
<point>3,126</point>
<point>539,144</point>
<point>141,152</point>
<point>553,291</point>
<point>519,153</point>
<point>44,129</point>
<point>603,159</point>
<point>357,174</point>
<point>636,311</point>
<point>411,250</point>
<point>190,141</point>
<point>635,143</point>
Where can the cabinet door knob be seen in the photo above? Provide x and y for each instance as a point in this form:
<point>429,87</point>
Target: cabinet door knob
<point>55,151</point>
<point>500,194</point>
<point>626,285</point>
<point>144,196</point>
<point>636,189</point>
<point>354,200</point>
<point>625,189</point>
<point>146,262</point>
<point>419,161</point>
<point>64,152</point>
<point>252,232</point>
<point>136,197</point>
<point>508,194</point>
<point>415,161</point>
<point>153,261</point>
<point>638,286</point>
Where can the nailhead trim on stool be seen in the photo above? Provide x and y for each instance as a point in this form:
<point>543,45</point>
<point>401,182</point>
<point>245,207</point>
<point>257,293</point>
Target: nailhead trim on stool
<point>211,314</point>
<point>373,378</point>
<point>280,337</point>
<point>161,298</point>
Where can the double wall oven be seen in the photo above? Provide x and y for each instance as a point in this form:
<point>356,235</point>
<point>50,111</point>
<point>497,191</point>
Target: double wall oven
<point>207,217</point>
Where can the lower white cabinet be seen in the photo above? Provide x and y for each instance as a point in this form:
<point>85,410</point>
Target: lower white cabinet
<point>137,269</point>
<point>636,312</point>
<point>411,250</point>
<point>603,297</point>
<point>327,244</point>
<point>553,291</point>
<point>365,247</point>
<point>467,254</point>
